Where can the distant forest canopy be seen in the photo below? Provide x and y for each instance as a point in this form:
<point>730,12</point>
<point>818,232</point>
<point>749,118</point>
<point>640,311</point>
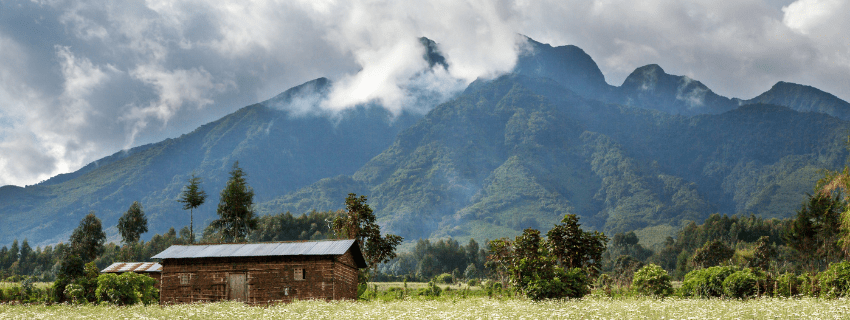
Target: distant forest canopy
<point>808,242</point>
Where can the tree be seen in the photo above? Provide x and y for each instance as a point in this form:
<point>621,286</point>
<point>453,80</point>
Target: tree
<point>27,257</point>
<point>235,208</point>
<point>576,248</point>
<point>133,223</point>
<point>534,270</point>
<point>834,182</point>
<point>88,238</point>
<point>815,232</point>
<point>192,197</point>
<point>762,254</point>
<point>712,254</point>
<point>358,222</point>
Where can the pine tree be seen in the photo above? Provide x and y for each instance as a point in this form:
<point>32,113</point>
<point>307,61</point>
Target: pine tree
<point>192,197</point>
<point>235,208</point>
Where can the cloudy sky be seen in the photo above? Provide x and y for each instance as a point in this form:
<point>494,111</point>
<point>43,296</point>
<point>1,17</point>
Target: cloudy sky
<point>80,80</point>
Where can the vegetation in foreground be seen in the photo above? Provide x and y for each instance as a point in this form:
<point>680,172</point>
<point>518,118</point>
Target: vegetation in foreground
<point>473,308</point>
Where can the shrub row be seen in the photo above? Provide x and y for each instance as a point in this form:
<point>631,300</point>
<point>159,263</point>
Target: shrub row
<point>737,283</point>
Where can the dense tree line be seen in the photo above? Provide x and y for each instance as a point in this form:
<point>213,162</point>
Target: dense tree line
<point>429,259</point>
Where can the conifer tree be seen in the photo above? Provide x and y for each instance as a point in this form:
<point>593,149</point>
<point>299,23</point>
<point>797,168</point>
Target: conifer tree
<point>235,208</point>
<point>192,197</point>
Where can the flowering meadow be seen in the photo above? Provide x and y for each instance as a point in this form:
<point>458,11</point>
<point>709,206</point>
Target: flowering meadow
<point>470,308</point>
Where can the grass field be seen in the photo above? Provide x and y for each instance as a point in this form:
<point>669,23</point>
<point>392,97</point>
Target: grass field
<point>471,308</point>
<point>6,285</point>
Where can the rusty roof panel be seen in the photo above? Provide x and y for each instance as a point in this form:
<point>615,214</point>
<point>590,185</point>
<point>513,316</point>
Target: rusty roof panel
<point>138,267</point>
<point>337,247</point>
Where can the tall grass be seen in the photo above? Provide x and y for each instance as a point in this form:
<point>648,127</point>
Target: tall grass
<point>470,308</point>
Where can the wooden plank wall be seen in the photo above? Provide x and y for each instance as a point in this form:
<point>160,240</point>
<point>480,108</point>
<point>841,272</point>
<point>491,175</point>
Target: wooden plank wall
<point>270,279</point>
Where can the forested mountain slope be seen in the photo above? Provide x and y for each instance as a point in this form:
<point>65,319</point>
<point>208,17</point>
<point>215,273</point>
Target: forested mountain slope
<point>521,152</point>
<point>279,150</point>
<point>517,151</point>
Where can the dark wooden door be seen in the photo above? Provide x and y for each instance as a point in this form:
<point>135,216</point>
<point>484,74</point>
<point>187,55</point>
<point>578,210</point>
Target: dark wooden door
<point>238,286</point>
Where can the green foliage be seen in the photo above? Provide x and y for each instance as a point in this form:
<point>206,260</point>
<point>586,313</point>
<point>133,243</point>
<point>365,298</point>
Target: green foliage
<point>541,269</point>
<point>763,253</point>
<point>428,259</point>
<point>88,238</point>
<point>286,227</point>
<point>652,280</point>
<point>572,283</point>
<point>433,290</point>
<point>126,289</point>
<point>358,223</point>
<point>471,272</point>
<point>706,282</point>
<point>576,248</point>
<point>676,253</point>
<point>626,244</point>
<point>133,223</point>
<point>816,230</point>
<point>711,254</point>
<point>624,269</point>
<point>75,293</point>
<point>787,285</point>
<point>835,281</point>
<point>740,285</point>
<point>444,278</point>
<point>192,197</point>
<point>235,208</point>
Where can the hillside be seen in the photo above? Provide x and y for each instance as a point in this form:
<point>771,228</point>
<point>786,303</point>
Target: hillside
<point>521,152</point>
<point>508,153</point>
<point>280,151</point>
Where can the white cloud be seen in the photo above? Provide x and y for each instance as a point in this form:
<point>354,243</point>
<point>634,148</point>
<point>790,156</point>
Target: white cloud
<point>811,16</point>
<point>174,89</point>
<point>164,67</point>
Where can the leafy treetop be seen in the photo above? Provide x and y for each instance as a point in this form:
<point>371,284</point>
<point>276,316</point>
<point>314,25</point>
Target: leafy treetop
<point>358,222</point>
<point>133,223</point>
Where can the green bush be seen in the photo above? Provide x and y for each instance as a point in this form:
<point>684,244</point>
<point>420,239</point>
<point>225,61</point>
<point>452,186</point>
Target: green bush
<point>652,280</point>
<point>75,293</point>
<point>566,284</point>
<point>741,285</point>
<point>787,285</point>
<point>706,282</point>
<point>445,278</point>
<point>808,285</point>
<point>473,282</point>
<point>835,281</point>
<point>126,289</point>
<point>433,290</point>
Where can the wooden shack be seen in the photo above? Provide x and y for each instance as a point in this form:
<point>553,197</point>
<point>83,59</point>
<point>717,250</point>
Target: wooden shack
<point>260,273</point>
<point>150,269</point>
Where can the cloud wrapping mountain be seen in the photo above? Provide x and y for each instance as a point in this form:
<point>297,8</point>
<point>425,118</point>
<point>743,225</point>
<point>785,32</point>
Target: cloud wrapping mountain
<point>80,79</point>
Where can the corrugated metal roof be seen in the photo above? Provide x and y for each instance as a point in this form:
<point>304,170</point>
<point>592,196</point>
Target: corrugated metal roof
<point>313,248</point>
<point>120,267</point>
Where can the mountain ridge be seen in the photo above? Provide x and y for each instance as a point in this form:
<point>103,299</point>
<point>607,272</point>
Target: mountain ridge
<point>517,151</point>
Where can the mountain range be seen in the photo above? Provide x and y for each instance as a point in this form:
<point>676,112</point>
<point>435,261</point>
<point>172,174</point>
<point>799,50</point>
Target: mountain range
<point>521,150</point>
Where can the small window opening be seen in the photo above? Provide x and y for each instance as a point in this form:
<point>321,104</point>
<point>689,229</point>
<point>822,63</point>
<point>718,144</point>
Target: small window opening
<point>299,273</point>
<point>184,278</point>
